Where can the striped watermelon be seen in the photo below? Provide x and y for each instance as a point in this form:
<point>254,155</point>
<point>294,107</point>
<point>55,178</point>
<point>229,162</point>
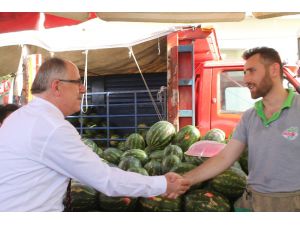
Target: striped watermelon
<point>153,167</point>
<point>183,167</point>
<point>200,200</point>
<point>121,145</point>
<point>139,170</point>
<point>215,134</point>
<point>114,140</point>
<point>173,150</point>
<point>243,160</point>
<point>160,135</point>
<point>169,162</point>
<point>90,129</point>
<point>158,155</point>
<point>93,146</point>
<point>116,204</point>
<point>161,204</point>
<point>186,136</point>
<point>135,141</point>
<point>137,153</point>
<point>128,162</point>
<point>112,155</point>
<point>143,129</point>
<point>231,183</point>
<point>196,160</point>
<point>83,197</point>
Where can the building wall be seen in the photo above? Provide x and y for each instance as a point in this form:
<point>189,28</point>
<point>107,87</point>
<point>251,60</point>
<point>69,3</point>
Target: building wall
<point>280,33</point>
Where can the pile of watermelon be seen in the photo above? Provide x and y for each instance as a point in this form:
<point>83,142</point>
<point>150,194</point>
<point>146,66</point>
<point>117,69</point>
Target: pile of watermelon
<point>157,152</point>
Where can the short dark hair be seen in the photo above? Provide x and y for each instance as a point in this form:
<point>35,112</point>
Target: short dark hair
<point>268,55</point>
<point>6,109</point>
<point>51,68</point>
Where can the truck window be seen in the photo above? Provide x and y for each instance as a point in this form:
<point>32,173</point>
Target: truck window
<point>234,96</point>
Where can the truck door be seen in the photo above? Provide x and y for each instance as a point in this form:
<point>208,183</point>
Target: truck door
<point>229,99</point>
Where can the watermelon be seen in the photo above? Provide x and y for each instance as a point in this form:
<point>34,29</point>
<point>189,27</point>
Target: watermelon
<point>112,155</point>
<point>231,183</point>
<point>128,162</point>
<point>116,204</point>
<point>183,167</point>
<point>93,117</point>
<point>160,135</point>
<point>137,153</point>
<point>142,129</point>
<point>215,134</point>
<point>121,145</point>
<point>169,162</point>
<point>73,120</point>
<point>161,204</point>
<point>153,167</point>
<point>135,141</point>
<point>194,159</point>
<point>205,201</point>
<point>173,150</point>
<point>139,170</point>
<point>238,171</point>
<point>91,129</point>
<point>186,136</point>
<point>158,155</point>
<point>205,149</point>
<point>237,165</point>
<point>93,146</point>
<point>83,197</point>
<point>114,140</point>
<point>83,119</point>
<point>148,150</point>
<point>100,142</point>
<point>243,160</point>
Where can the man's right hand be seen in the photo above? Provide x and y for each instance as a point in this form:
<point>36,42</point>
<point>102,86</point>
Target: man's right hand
<point>176,185</point>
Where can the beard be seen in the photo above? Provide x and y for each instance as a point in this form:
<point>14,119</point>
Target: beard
<point>264,87</point>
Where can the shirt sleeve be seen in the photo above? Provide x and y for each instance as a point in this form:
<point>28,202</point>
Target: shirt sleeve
<point>65,153</point>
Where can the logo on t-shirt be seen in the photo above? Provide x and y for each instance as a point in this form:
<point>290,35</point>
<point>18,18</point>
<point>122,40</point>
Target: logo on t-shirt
<point>290,133</point>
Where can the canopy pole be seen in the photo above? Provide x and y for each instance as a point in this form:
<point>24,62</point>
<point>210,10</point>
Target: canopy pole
<point>149,92</point>
<point>84,99</point>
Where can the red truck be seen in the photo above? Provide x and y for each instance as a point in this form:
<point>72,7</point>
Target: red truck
<point>204,90</point>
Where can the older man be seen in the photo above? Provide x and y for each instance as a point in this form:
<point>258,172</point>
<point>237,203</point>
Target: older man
<point>40,150</point>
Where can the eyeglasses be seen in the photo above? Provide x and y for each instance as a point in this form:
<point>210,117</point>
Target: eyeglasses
<point>72,81</point>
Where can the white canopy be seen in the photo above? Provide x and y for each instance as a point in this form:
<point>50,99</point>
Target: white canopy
<point>92,34</point>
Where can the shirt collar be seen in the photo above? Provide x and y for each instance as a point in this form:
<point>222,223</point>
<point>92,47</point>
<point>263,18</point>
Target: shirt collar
<point>259,107</point>
<point>48,104</point>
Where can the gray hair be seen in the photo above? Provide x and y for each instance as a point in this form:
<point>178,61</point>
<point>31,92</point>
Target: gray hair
<point>51,68</point>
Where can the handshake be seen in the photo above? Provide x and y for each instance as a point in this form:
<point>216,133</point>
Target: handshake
<point>176,185</point>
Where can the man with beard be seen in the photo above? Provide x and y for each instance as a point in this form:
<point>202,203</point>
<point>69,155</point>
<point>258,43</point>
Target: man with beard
<point>40,150</point>
<point>270,131</point>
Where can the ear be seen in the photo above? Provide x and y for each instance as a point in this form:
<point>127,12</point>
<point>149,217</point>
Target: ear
<point>275,70</point>
<point>55,88</point>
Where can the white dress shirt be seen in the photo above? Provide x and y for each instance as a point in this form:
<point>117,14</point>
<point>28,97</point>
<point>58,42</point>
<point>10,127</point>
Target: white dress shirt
<point>40,151</point>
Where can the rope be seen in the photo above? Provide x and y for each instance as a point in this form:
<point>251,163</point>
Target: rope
<point>149,92</point>
<point>85,84</point>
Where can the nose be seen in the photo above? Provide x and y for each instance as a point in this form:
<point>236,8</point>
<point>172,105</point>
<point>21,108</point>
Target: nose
<point>82,88</point>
